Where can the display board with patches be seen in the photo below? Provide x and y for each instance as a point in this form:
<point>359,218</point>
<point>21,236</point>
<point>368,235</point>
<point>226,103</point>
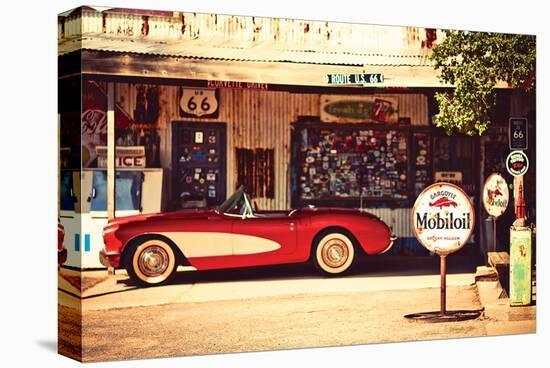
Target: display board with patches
<point>422,161</point>
<point>198,153</point>
<point>352,162</point>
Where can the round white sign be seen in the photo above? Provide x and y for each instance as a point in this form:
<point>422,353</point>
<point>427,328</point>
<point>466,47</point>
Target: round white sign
<point>517,163</point>
<point>443,218</point>
<point>495,195</point>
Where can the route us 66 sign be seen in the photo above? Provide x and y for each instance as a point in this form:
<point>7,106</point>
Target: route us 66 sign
<point>443,218</point>
<point>199,102</point>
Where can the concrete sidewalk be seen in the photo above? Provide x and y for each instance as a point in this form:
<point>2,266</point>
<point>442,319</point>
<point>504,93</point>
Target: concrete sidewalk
<point>373,274</point>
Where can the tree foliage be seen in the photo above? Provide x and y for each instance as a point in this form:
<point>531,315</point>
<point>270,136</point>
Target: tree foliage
<point>473,62</point>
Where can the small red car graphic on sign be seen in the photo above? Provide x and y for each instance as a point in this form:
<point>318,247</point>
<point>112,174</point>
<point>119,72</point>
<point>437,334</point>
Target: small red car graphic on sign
<point>443,202</point>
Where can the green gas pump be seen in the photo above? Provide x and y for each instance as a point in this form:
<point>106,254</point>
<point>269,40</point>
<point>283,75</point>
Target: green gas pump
<point>520,265</point>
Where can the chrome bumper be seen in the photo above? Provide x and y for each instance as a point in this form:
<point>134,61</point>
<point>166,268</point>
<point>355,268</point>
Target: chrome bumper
<point>393,238</point>
<point>104,258</point>
<point>105,261</point>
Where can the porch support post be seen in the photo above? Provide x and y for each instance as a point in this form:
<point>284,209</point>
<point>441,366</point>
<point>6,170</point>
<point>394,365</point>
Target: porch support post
<point>110,150</point>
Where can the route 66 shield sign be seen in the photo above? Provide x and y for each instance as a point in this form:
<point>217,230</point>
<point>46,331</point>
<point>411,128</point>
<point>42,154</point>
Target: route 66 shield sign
<point>199,102</point>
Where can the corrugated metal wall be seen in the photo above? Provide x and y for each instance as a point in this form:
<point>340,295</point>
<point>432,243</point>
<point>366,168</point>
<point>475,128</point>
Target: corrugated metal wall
<point>258,119</point>
<point>398,218</point>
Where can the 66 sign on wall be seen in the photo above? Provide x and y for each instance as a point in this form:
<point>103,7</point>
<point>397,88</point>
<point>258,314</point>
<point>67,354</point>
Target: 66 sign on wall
<point>199,102</point>
<point>443,218</point>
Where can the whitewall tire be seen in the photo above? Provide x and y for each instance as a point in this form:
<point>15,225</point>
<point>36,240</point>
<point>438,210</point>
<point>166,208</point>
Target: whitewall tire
<point>153,263</point>
<point>334,254</point>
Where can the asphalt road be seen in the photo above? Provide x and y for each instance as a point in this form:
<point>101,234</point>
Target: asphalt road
<point>269,323</point>
<point>270,308</point>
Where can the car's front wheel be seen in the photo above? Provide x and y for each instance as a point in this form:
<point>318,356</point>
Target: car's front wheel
<point>334,253</point>
<point>153,262</point>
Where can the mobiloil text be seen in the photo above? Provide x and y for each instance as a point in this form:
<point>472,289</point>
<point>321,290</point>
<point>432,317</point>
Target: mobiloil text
<point>446,222</point>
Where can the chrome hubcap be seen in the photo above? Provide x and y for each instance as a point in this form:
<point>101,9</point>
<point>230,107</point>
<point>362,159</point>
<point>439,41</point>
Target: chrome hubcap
<point>335,253</point>
<point>153,261</point>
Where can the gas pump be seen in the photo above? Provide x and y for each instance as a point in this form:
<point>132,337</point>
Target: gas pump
<point>520,256</point>
<point>84,207</point>
<point>517,165</point>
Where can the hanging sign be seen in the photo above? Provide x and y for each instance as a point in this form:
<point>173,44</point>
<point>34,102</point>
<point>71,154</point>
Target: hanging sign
<point>124,156</point>
<point>517,133</point>
<point>359,108</point>
<point>199,102</point>
<point>454,177</point>
<point>355,79</point>
<point>495,195</point>
<point>237,85</point>
<point>443,218</point>
<point>517,163</point>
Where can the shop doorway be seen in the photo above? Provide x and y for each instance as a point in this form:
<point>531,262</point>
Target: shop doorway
<point>199,164</point>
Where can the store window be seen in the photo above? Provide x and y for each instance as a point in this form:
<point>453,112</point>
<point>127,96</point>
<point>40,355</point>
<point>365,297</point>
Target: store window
<point>421,157</point>
<point>457,156</point>
<point>352,162</point>
<point>127,190</point>
<point>256,171</point>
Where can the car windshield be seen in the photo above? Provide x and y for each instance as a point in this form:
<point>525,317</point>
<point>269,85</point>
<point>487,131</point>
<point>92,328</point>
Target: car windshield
<point>238,203</point>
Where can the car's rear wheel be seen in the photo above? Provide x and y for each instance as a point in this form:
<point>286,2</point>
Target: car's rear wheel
<point>334,254</point>
<point>153,262</point>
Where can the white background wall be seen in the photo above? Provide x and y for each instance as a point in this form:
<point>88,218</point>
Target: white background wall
<point>28,186</point>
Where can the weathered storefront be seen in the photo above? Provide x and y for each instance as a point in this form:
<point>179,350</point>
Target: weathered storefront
<point>183,108</point>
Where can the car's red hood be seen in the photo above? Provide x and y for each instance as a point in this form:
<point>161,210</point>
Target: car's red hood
<point>338,211</point>
<point>181,214</point>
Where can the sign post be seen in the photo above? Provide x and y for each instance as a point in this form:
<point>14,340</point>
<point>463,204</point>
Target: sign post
<point>443,221</point>
<point>443,271</point>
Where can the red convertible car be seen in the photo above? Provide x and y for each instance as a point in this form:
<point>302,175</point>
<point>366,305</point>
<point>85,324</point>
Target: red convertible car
<point>237,234</point>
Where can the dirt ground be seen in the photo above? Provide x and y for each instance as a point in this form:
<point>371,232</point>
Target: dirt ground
<point>270,323</point>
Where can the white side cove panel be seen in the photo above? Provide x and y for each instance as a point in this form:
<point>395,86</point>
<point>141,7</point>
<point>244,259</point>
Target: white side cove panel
<point>206,244</point>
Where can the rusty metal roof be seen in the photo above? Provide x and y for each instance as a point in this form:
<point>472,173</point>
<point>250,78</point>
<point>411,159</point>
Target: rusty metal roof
<point>214,37</point>
<point>256,52</point>
<point>240,38</point>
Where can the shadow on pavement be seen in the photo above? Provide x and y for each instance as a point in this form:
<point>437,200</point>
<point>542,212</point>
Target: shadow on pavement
<point>365,267</point>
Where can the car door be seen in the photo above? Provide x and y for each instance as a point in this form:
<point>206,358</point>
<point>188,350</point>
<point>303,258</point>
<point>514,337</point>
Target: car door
<point>273,235</point>
<point>202,234</point>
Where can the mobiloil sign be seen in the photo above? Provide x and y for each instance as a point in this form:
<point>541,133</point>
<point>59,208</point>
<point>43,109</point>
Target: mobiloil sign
<point>443,218</point>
